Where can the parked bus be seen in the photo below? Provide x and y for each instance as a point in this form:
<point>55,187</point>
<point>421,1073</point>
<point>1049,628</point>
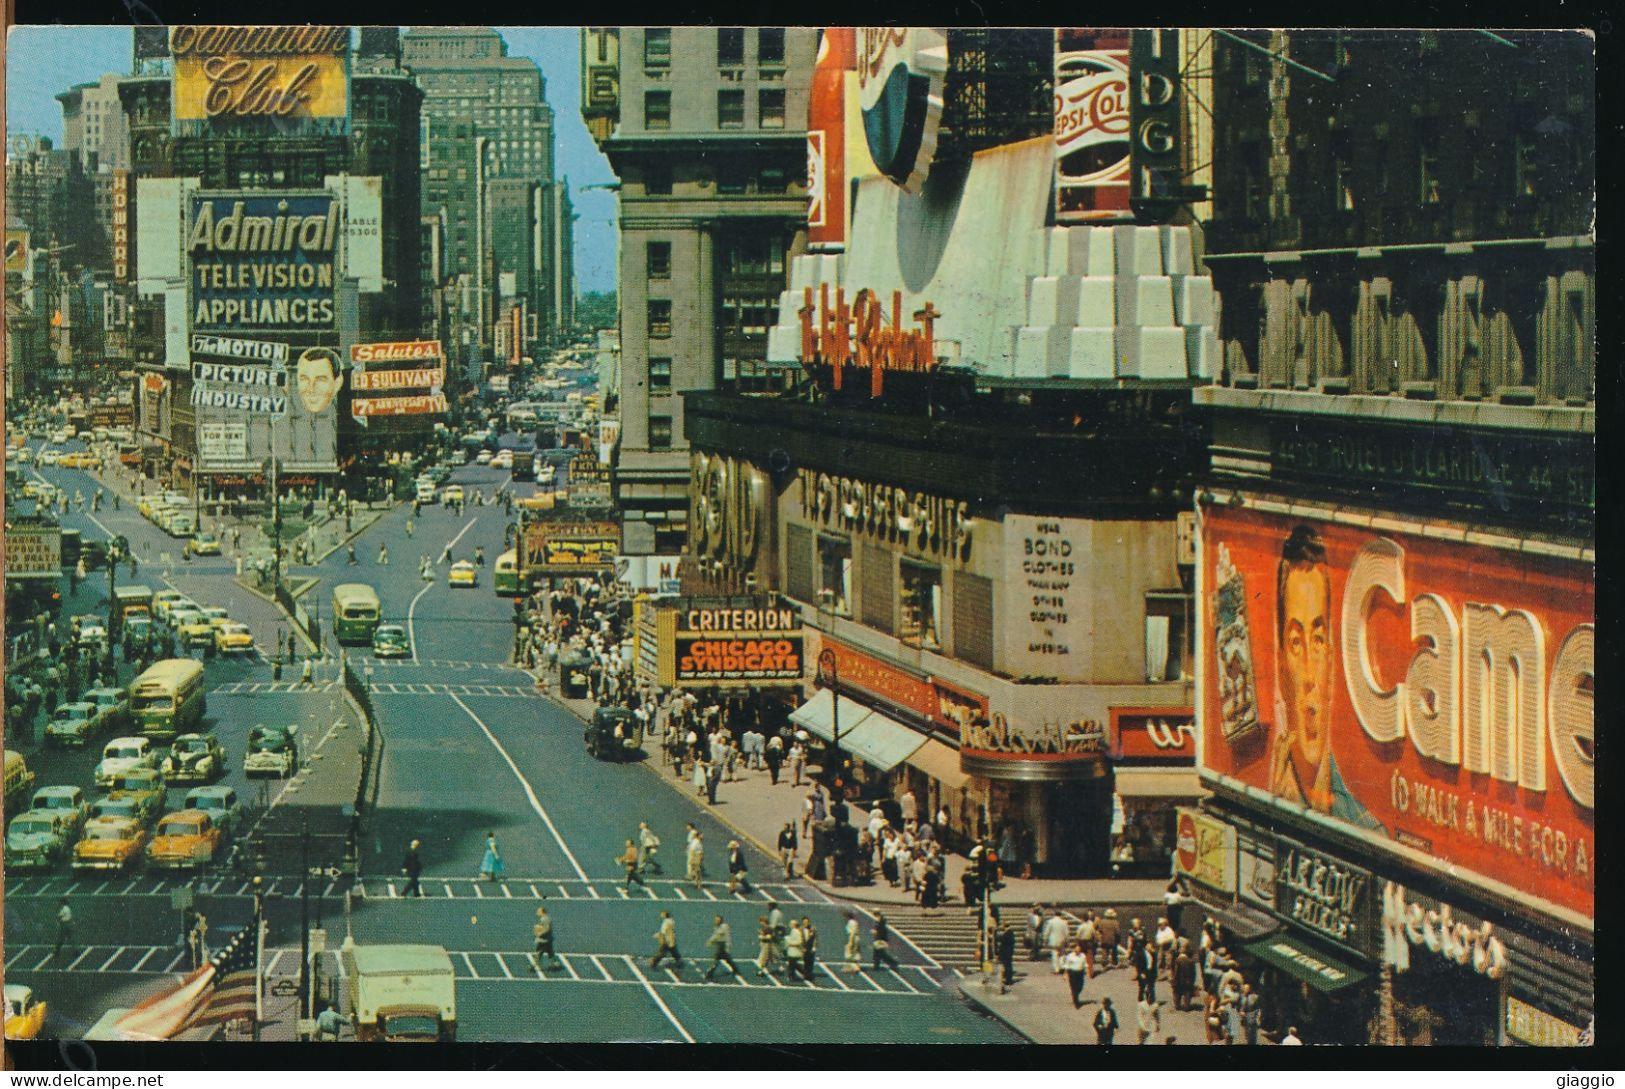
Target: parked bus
<point>506,574</point>
<point>168,699</point>
<point>355,612</point>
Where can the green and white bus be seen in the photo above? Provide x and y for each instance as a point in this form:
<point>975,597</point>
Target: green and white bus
<point>506,574</point>
<point>355,612</point>
<point>168,699</point>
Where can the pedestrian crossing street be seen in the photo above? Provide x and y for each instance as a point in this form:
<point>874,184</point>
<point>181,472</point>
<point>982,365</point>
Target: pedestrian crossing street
<point>493,966</point>
<point>665,890</point>
<point>662,890</point>
<point>252,688</point>
<point>384,688</point>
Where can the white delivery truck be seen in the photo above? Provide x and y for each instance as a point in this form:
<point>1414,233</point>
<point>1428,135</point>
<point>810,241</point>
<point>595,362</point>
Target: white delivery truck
<point>401,993</point>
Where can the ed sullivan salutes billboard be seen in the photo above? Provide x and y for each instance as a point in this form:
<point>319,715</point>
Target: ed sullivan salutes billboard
<point>1431,696</point>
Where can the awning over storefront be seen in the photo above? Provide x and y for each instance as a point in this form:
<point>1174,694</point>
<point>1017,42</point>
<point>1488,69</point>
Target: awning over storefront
<point>880,742</point>
<point>1300,961</point>
<point>816,714</point>
<point>1135,782</point>
<point>941,763</point>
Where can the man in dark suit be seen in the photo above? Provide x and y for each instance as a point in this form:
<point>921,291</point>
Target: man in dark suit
<point>412,867</point>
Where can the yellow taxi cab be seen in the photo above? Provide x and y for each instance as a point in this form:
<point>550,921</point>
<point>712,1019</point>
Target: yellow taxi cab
<point>109,843</point>
<point>452,494</point>
<point>163,599</point>
<point>24,1015</point>
<point>184,839</point>
<point>463,573</point>
<point>195,631</point>
<point>233,638</point>
<point>539,501</point>
<point>80,460</point>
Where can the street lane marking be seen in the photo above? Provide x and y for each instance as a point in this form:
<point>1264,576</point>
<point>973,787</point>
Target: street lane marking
<point>708,893</point>
<point>449,894</point>
<point>661,1002</point>
<point>839,982</point>
<point>478,895</point>
<point>70,888</point>
<point>564,892</point>
<point>470,964</point>
<point>159,887</point>
<point>793,894</point>
<point>566,962</point>
<point>623,893</point>
<point>507,891</point>
<point>270,968</point>
<point>867,978</point>
<point>105,963</point>
<point>393,895</point>
<point>411,624</point>
<point>678,889</point>
<point>601,970</point>
<point>533,891</point>
<point>85,954</point>
<point>903,981</point>
<point>530,793</point>
<point>503,964</point>
<point>49,953</point>
<point>145,958</point>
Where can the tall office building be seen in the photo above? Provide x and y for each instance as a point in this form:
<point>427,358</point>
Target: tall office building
<point>705,127</point>
<point>488,146</point>
<point>93,125</point>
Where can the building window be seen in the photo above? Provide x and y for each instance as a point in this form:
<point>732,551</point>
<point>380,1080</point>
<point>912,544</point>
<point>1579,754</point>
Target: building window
<point>657,47</point>
<point>660,260</point>
<point>1525,174</point>
<point>730,46</point>
<point>657,180</point>
<point>770,105</point>
<point>659,317</point>
<point>1429,167</point>
<point>660,432</point>
<point>772,180</point>
<point>660,372</point>
<point>730,109</point>
<point>835,574</point>
<point>1343,187</point>
<point>1167,627</point>
<point>921,600</point>
<point>657,110</point>
<point>730,179</point>
<point>770,45</point>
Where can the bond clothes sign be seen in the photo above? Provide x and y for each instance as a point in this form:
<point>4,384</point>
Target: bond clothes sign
<point>262,260</point>
<point>1048,625</point>
<point>397,379</point>
<point>1433,697</point>
<point>281,72</point>
<point>1205,849</point>
<point>1325,895</point>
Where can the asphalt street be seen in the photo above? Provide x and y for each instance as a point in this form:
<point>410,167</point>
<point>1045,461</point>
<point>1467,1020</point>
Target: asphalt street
<point>469,749</point>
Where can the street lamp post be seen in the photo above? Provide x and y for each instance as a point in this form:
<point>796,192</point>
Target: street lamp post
<point>259,955</point>
<point>829,676</point>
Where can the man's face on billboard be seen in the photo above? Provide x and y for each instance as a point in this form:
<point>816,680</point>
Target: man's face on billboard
<point>1306,666</point>
<point>318,384</point>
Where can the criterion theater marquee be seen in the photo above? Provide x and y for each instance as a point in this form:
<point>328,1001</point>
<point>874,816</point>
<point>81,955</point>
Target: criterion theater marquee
<point>722,646</point>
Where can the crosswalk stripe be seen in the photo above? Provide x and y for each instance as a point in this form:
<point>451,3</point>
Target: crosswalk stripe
<point>566,962</point>
<point>503,964</point>
<point>901,980</point>
<point>470,964</point>
<point>106,963</point>
<point>145,957</point>
<point>601,969</point>
<point>839,982</point>
<point>85,954</point>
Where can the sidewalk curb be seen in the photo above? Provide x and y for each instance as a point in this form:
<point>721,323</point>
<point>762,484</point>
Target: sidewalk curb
<point>379,516</point>
<point>981,1002</point>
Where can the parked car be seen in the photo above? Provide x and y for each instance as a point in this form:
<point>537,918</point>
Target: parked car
<point>390,641</point>
<point>109,843</point>
<point>112,708</point>
<point>613,734</point>
<point>204,544</point>
<point>66,804</point>
<point>233,638</point>
<point>71,725</point>
<point>220,803</point>
<point>272,750</point>
<point>145,787</point>
<point>25,1015</point>
<point>183,840</point>
<point>35,840</point>
<point>122,754</point>
<point>194,758</point>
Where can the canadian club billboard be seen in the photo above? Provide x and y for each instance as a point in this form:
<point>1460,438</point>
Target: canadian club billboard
<point>1432,696</point>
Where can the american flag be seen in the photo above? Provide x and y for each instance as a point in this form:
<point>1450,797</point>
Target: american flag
<point>222,990</point>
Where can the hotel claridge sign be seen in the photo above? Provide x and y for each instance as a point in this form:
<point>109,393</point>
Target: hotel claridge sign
<point>1071,535</point>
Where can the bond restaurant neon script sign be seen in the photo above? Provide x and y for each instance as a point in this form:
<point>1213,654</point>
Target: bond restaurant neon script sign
<point>865,336</point>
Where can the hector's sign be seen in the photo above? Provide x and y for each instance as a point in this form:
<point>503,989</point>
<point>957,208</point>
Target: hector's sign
<point>1426,694</point>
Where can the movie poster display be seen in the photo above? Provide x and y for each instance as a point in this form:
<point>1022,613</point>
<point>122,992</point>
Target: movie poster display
<point>1432,696</point>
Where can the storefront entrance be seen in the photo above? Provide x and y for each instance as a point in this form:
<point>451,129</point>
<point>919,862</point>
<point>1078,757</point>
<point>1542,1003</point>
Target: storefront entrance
<point>1437,1001</point>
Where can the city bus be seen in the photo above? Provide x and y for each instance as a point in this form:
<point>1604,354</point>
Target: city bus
<point>168,699</point>
<point>355,612</point>
<point>506,575</point>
